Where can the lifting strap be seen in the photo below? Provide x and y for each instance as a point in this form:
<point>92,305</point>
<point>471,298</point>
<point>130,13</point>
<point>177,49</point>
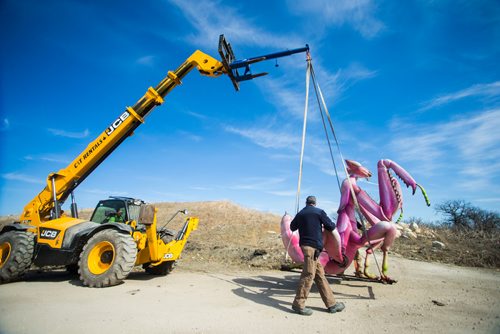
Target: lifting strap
<point>304,130</point>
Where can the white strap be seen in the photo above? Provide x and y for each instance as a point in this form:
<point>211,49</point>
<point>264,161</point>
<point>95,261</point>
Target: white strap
<point>304,129</point>
<point>306,107</point>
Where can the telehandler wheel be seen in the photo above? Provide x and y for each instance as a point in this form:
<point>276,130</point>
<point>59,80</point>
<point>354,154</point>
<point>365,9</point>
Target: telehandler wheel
<point>162,270</point>
<point>166,267</point>
<point>16,254</point>
<point>107,259</point>
<point>72,269</point>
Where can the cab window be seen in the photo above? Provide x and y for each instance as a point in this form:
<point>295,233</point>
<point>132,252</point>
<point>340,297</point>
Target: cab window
<point>109,211</point>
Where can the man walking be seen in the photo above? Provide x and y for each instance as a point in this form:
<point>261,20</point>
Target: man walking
<point>309,221</point>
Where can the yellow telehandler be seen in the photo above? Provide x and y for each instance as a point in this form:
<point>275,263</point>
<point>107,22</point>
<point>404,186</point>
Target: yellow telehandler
<point>122,232</point>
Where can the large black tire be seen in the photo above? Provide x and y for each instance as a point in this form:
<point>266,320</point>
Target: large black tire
<point>72,269</point>
<point>107,259</point>
<point>164,268</point>
<point>16,254</point>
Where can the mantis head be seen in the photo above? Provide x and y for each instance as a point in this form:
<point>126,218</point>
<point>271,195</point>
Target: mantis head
<point>354,168</point>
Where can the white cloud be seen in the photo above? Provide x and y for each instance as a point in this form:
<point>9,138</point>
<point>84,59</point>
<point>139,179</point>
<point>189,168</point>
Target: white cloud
<point>21,177</point>
<point>201,188</point>
<point>360,14</point>
<point>316,150</point>
<point>333,85</point>
<point>105,192</point>
<point>5,124</point>
<point>258,183</point>
<point>191,136</point>
<point>490,90</point>
<point>488,199</point>
<point>68,134</point>
<point>289,96</point>
<point>146,60</point>
<point>210,18</point>
<point>196,115</point>
<point>49,158</point>
<point>283,193</point>
<point>467,146</point>
<point>267,138</point>
<point>356,72</point>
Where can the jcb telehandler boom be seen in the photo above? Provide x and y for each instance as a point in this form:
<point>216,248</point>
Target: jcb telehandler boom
<point>105,252</point>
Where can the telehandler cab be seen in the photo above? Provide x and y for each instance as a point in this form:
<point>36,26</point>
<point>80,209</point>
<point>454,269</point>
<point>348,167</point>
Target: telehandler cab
<point>122,232</point>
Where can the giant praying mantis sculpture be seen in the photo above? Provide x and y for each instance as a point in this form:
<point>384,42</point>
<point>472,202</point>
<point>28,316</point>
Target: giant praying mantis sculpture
<point>342,245</point>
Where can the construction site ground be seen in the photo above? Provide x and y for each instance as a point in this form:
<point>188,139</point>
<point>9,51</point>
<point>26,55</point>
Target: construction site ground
<point>429,298</point>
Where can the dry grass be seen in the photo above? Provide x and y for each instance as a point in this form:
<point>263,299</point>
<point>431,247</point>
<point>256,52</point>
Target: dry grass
<point>462,248</point>
<point>233,237</point>
<point>228,235</point>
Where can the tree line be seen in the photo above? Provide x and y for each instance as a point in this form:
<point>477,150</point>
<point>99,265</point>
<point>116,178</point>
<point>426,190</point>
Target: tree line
<point>463,215</point>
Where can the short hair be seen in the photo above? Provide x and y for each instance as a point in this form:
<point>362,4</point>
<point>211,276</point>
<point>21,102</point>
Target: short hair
<point>311,200</point>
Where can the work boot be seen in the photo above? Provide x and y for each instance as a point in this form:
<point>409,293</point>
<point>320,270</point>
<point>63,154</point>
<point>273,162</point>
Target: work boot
<point>302,311</point>
<point>337,307</point>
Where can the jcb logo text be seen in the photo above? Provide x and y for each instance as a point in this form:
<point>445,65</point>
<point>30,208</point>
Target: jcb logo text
<point>117,123</point>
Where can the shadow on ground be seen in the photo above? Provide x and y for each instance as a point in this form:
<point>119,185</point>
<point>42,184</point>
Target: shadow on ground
<point>279,292</point>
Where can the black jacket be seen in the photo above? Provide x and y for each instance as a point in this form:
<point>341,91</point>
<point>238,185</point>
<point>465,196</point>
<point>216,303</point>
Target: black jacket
<point>310,221</point>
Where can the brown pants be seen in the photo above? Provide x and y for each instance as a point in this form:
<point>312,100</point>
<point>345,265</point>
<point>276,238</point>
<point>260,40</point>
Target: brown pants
<point>313,270</point>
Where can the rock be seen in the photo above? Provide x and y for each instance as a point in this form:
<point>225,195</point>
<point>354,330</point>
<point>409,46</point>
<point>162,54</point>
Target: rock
<point>414,227</point>
<point>438,244</point>
<point>398,233</point>
<point>258,252</point>
<point>409,234</point>
<point>401,226</point>
<point>429,234</point>
<point>438,303</point>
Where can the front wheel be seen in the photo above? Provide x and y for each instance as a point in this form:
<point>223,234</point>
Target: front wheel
<point>16,254</point>
<point>107,259</point>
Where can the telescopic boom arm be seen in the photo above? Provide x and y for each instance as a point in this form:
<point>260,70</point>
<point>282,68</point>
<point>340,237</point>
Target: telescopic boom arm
<point>46,205</point>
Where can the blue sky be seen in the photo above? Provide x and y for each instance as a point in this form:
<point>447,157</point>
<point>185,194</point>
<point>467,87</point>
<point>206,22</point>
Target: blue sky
<point>417,82</point>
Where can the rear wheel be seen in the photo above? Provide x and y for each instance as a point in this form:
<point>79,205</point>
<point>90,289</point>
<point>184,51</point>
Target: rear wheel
<point>164,268</point>
<point>16,254</point>
<point>107,259</point>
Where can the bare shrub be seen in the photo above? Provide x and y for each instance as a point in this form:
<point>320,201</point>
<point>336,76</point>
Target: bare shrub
<point>463,215</point>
